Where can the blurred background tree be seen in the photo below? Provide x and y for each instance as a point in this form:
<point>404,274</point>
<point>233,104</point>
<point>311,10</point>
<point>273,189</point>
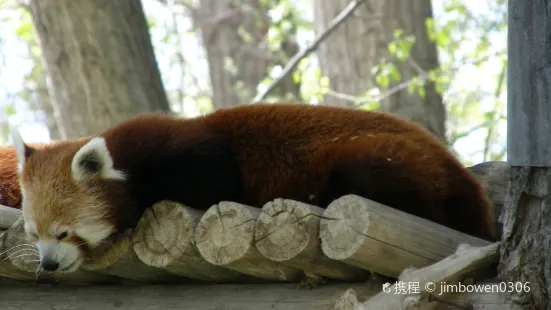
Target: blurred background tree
<point>439,63</point>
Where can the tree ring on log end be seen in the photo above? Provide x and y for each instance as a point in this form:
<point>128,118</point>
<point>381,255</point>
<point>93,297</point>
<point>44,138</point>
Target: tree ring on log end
<point>17,249</point>
<point>225,232</point>
<point>284,229</point>
<point>162,234</point>
<point>342,228</point>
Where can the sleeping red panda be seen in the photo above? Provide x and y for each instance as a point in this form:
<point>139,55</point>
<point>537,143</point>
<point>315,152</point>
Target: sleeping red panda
<point>77,193</point>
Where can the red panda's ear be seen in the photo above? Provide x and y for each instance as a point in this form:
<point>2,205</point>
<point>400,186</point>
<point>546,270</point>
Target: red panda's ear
<point>22,150</point>
<point>94,160</point>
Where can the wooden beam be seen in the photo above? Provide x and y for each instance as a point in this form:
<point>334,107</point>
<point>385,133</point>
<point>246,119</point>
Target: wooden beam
<point>287,231</point>
<point>384,240</point>
<point>164,238</point>
<point>529,83</point>
<point>225,237</point>
<point>281,296</point>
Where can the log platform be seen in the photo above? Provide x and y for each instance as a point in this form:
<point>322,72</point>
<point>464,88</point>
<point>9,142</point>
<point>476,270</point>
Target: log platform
<point>253,258</point>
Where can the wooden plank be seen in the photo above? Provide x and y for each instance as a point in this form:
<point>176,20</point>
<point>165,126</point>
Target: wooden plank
<point>529,84</point>
<point>279,296</point>
<point>384,240</point>
<point>225,237</point>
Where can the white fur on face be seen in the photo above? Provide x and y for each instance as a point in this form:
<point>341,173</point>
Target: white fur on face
<point>94,152</point>
<point>66,254</point>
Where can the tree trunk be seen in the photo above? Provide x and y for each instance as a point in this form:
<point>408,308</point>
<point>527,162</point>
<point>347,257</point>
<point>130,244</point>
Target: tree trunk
<point>100,60</point>
<point>234,34</point>
<point>526,246</point>
<point>351,52</point>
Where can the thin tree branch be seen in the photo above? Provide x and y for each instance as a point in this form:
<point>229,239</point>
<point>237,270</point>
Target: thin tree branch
<point>339,19</point>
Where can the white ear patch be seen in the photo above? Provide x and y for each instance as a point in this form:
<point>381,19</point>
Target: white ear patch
<point>94,159</point>
<point>19,146</point>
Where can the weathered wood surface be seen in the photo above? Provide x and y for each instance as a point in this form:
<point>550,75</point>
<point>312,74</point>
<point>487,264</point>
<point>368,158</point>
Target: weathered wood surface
<point>281,296</point>
<point>494,176</point>
<point>525,254</point>
<point>371,236</point>
<point>225,237</point>
<point>165,238</point>
<point>8,216</point>
<point>287,231</point>
<point>449,271</point>
<point>118,258</point>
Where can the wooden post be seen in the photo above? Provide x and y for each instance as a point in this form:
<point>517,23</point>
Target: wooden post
<point>527,213</point>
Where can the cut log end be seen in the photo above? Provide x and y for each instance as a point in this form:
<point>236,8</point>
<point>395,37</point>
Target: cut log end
<point>225,233</point>
<point>164,232</point>
<point>342,228</point>
<point>286,228</point>
<point>16,248</point>
<point>225,237</point>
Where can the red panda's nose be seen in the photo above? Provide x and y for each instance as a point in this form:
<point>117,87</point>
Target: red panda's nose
<point>49,265</point>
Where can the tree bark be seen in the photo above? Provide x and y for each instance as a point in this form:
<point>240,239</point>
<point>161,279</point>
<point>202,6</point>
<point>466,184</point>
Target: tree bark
<point>234,34</point>
<point>526,244</point>
<point>351,52</point>
<point>100,60</point>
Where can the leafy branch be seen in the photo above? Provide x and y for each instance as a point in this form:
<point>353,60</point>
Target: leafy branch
<point>339,19</point>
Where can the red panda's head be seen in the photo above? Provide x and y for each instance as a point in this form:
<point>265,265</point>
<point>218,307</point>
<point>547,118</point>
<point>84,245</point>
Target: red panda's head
<point>66,209</point>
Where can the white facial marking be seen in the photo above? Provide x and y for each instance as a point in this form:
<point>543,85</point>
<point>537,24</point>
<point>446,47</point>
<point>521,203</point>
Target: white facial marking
<point>92,159</point>
<point>94,233</point>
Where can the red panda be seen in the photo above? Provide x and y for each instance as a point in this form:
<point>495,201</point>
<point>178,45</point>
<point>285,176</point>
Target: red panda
<point>78,193</point>
<point>10,195</point>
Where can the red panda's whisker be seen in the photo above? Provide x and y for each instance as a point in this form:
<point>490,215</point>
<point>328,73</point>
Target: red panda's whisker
<point>18,251</point>
<point>23,250</point>
<point>19,256</point>
<point>31,247</point>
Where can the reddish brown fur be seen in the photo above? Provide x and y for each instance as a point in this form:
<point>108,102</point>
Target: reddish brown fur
<point>253,154</point>
<point>10,195</point>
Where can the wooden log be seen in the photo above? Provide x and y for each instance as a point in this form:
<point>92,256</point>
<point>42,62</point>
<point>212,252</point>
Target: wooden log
<point>280,296</point>
<point>20,261</point>
<point>8,216</point>
<point>434,280</point>
<point>117,258</point>
<point>287,231</point>
<point>384,240</point>
<point>225,237</point>
<point>494,177</point>
<point>164,238</point>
